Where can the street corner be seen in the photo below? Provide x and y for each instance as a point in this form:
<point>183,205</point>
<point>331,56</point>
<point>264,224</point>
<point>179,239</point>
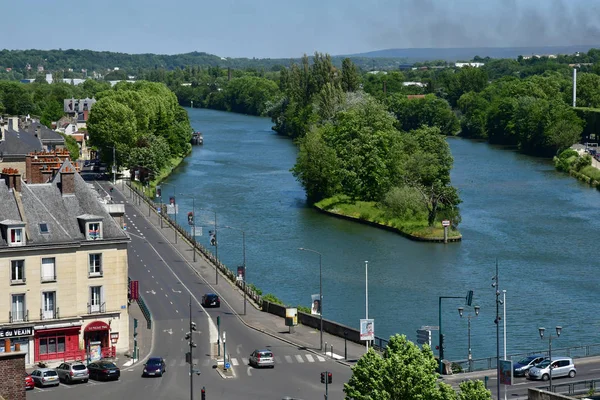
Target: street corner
<point>224,369</point>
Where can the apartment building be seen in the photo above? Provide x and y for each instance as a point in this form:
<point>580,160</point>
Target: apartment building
<point>63,266</point>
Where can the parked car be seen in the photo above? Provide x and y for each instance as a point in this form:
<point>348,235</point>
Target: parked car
<point>561,366</point>
<point>521,367</point>
<point>103,370</point>
<point>211,300</point>
<point>155,366</point>
<point>262,358</point>
<point>45,377</point>
<point>70,372</point>
<point>29,383</point>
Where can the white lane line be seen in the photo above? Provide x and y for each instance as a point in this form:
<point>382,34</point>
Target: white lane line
<point>321,359</point>
<point>309,358</point>
<point>171,302</point>
<point>235,362</point>
<point>288,359</point>
<point>245,361</point>
<point>299,358</point>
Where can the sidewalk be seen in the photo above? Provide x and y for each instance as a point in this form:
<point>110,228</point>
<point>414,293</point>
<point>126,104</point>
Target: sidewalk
<point>302,336</point>
<point>144,337</point>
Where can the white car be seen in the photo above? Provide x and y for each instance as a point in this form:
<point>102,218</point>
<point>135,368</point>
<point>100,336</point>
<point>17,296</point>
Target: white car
<point>262,358</point>
<point>560,367</point>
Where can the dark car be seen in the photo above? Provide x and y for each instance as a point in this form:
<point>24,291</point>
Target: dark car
<point>104,370</point>
<point>521,367</point>
<point>155,366</point>
<point>211,300</point>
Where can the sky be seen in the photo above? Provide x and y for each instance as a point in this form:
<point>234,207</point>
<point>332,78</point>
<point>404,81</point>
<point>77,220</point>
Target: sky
<point>286,29</point>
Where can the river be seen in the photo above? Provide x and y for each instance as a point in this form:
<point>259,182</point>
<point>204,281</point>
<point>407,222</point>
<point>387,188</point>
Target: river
<point>541,226</point>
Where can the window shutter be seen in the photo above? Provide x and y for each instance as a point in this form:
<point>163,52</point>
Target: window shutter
<point>48,268</point>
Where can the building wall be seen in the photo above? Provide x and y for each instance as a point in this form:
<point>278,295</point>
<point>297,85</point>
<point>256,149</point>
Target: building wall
<point>12,371</point>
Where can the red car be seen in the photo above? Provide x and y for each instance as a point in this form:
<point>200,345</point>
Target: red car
<point>29,384</point>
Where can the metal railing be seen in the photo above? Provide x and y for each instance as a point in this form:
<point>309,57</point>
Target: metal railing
<point>55,314</point>
<point>481,364</point>
<point>96,308</point>
<point>576,387</point>
<point>22,316</point>
<point>48,278</point>
<point>145,311</point>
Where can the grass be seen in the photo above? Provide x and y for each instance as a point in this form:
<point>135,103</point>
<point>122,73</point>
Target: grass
<point>160,176</point>
<point>369,212</point>
<point>591,172</point>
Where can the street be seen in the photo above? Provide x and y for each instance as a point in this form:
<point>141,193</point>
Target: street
<point>166,282</point>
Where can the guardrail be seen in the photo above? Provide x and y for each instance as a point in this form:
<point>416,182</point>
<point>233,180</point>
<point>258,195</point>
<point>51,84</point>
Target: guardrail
<point>578,387</point>
<point>145,311</point>
<point>481,364</point>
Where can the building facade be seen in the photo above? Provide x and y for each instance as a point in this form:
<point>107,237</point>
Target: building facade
<point>63,268</point>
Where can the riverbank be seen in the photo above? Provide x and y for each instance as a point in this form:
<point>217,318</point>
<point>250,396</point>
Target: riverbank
<point>367,213</point>
<point>150,188</point>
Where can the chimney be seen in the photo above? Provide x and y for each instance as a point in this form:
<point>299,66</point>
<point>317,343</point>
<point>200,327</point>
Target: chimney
<point>12,177</point>
<point>7,345</point>
<point>46,175</point>
<point>14,123</point>
<point>67,181</point>
<point>37,131</point>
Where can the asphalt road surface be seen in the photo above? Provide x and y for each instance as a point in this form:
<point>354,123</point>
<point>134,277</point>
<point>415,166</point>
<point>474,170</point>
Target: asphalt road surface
<point>167,282</point>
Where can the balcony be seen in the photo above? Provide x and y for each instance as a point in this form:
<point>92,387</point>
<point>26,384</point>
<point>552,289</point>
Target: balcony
<point>50,314</point>
<point>21,281</point>
<point>48,278</point>
<point>21,316</point>
<point>97,274</point>
<point>96,308</point>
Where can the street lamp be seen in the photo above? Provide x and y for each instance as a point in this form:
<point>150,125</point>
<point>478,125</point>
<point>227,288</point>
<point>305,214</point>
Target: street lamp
<point>244,258</point>
<point>193,223</point>
<point>320,288</point>
<point>174,205</point>
<point>216,247</point>
<point>469,316</point>
<point>441,337</point>
<point>558,331</point>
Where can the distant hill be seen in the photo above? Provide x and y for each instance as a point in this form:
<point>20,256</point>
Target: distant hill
<point>467,53</point>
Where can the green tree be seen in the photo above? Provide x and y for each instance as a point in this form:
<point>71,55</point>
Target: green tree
<point>431,111</point>
<point>72,146</point>
<point>52,112</point>
<point>473,390</point>
<point>350,77</point>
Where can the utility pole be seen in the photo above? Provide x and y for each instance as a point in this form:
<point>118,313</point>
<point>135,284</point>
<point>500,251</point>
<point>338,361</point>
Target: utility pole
<point>189,357</point>
<point>497,321</point>
<point>114,167</point>
<point>244,261</point>
<point>366,297</point>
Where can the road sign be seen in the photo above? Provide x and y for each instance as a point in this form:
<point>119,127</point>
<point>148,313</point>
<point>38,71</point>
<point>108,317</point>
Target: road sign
<point>506,372</point>
<point>424,336</point>
<point>227,365</point>
<point>445,222</point>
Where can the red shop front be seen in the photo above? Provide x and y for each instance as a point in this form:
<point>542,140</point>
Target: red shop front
<point>58,344</point>
<point>96,334</point>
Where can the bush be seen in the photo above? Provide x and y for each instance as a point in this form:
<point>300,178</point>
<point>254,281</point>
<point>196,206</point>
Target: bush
<point>404,203</point>
<point>591,172</point>
<point>303,309</point>
<point>272,299</point>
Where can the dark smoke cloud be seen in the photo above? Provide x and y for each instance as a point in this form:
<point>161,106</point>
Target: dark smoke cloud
<point>482,23</point>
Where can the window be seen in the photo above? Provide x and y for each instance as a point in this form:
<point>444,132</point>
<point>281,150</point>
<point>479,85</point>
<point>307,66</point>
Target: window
<point>96,295</point>
<point>16,237</point>
<point>48,305</point>
<point>43,228</point>
<point>94,231</point>
<point>18,308</point>
<point>95,265</point>
<point>48,269</point>
<point>17,272</point>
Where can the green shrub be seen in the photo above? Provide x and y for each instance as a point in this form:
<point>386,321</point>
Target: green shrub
<point>303,309</point>
<point>255,289</point>
<point>591,172</point>
<point>272,299</point>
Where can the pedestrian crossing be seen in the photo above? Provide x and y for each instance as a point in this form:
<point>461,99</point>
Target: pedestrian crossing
<point>235,361</point>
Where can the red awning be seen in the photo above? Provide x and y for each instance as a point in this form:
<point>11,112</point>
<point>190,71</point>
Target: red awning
<point>97,326</point>
<point>65,330</point>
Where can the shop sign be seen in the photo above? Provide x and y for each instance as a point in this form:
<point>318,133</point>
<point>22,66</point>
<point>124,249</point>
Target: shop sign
<point>16,332</point>
<point>114,337</point>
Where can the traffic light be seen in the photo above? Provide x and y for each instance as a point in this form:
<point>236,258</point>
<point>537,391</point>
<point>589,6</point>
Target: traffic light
<point>190,218</point>
<point>329,377</point>
<point>442,345</point>
<point>424,336</point>
<point>203,393</point>
<point>322,377</point>
<point>470,298</point>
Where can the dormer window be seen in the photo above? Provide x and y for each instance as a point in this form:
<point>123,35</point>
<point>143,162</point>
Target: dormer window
<point>94,230</point>
<point>15,237</point>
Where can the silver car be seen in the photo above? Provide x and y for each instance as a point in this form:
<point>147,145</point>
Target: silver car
<point>262,358</point>
<point>70,372</point>
<point>45,377</point>
<point>560,366</point>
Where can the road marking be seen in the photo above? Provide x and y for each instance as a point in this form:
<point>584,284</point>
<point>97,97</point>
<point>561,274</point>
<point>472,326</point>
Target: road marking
<point>237,348</point>
<point>320,358</point>
<point>310,358</point>
<point>171,302</point>
<point>277,359</point>
<point>166,295</point>
<point>152,276</point>
<point>151,291</point>
<point>169,331</point>
<point>235,362</point>
<point>288,359</point>
<point>177,311</point>
<point>299,358</point>
<point>249,371</point>
<point>245,361</point>
<point>176,291</point>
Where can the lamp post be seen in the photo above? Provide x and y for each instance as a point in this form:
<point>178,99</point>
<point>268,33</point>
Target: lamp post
<point>320,288</point>
<point>469,316</point>
<point>367,297</point>
<point>244,258</point>
<point>441,337</point>
<point>504,330</point>
<point>193,223</point>
<point>495,285</point>
<point>174,205</point>
<point>216,247</point>
<point>558,331</point>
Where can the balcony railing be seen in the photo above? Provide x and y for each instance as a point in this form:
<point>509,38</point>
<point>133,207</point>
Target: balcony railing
<point>96,308</point>
<point>21,281</point>
<point>21,316</point>
<point>52,314</point>
<point>49,278</point>
<point>95,274</point>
